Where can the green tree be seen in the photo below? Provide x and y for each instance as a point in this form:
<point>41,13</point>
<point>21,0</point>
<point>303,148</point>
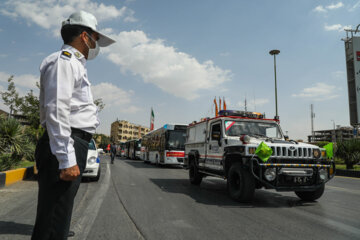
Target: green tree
<point>349,150</point>
<point>11,97</point>
<point>102,140</point>
<point>30,107</point>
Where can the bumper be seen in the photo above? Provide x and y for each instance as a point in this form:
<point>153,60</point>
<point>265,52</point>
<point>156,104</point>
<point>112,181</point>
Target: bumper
<point>91,171</point>
<point>295,177</point>
<point>174,161</point>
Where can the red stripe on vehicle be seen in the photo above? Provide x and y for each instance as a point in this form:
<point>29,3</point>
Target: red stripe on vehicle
<point>175,154</point>
<point>228,127</point>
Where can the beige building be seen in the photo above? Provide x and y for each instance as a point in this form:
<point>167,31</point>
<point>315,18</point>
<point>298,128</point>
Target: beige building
<point>333,135</point>
<point>122,131</point>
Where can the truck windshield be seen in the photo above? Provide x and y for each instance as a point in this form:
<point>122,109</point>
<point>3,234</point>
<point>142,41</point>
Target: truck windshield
<point>176,140</point>
<point>259,129</point>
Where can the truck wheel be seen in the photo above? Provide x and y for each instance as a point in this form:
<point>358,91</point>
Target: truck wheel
<point>311,195</point>
<point>240,183</point>
<point>194,175</point>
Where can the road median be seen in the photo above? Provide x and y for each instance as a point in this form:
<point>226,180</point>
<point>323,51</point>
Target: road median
<point>347,173</point>
<point>13,176</point>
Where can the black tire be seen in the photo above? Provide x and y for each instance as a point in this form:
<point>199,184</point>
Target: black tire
<point>240,183</point>
<point>311,195</point>
<point>194,175</point>
<point>98,175</point>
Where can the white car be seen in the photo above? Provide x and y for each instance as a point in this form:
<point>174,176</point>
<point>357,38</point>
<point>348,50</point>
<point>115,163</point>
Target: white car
<point>92,169</point>
<point>100,150</point>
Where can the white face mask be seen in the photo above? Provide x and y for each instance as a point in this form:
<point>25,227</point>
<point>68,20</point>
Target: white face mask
<point>93,52</point>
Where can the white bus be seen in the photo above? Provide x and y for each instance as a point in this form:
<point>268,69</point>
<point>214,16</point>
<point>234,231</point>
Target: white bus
<point>132,149</point>
<point>165,145</point>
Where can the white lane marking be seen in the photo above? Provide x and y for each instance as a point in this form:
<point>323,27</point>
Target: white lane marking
<point>85,223</point>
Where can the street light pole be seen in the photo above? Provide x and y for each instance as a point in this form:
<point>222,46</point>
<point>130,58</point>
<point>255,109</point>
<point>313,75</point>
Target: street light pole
<point>274,53</point>
<point>334,130</point>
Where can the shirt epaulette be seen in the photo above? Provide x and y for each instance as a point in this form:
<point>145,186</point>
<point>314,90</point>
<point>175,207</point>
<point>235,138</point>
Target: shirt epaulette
<point>66,55</point>
<point>77,54</point>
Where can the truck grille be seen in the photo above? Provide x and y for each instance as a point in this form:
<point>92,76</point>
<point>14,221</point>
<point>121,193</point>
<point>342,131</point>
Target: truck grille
<point>291,152</point>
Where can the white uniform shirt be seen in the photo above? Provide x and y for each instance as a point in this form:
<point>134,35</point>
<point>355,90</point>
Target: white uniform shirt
<point>66,102</point>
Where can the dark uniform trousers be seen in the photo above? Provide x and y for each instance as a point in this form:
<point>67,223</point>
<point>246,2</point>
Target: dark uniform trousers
<point>56,197</point>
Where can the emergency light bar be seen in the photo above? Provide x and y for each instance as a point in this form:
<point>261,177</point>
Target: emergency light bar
<point>169,126</point>
<point>241,114</point>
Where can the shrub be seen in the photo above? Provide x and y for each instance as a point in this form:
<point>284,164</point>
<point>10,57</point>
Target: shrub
<point>349,150</point>
<point>14,144</point>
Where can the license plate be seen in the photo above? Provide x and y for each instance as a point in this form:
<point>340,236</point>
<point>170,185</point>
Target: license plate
<point>301,180</point>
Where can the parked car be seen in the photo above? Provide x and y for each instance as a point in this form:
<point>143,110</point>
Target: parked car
<point>100,150</point>
<point>92,169</point>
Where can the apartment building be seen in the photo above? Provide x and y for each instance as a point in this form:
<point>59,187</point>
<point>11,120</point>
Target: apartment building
<point>333,135</point>
<point>122,131</point>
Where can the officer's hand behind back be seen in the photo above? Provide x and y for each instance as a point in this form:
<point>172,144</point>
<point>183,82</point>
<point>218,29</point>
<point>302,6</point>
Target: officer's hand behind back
<point>70,174</point>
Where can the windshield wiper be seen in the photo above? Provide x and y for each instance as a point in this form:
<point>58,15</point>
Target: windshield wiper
<point>258,135</point>
<point>262,135</point>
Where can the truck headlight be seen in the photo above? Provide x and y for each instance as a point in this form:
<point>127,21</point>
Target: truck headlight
<point>270,174</point>
<point>316,153</point>
<point>91,160</point>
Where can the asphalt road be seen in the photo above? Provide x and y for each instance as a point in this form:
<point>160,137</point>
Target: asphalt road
<point>134,200</point>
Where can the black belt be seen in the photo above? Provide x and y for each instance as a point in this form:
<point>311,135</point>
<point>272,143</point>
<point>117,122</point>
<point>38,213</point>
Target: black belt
<point>81,134</point>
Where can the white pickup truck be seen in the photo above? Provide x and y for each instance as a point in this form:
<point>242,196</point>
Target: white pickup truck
<point>225,147</point>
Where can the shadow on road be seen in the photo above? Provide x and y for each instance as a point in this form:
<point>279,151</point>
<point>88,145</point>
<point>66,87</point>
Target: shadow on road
<point>141,164</point>
<point>15,228</point>
<point>138,164</point>
<point>213,192</point>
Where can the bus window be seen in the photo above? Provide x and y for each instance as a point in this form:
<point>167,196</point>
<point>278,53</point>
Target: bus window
<point>176,140</point>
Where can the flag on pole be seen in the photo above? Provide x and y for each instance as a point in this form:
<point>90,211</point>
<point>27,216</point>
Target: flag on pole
<point>329,148</point>
<point>224,103</point>
<point>152,116</point>
<point>263,151</point>
<point>219,104</point>
<point>216,108</point>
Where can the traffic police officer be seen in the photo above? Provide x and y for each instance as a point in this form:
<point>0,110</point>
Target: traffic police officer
<point>69,115</point>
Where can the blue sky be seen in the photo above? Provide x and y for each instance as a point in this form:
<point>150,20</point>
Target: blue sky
<point>175,56</point>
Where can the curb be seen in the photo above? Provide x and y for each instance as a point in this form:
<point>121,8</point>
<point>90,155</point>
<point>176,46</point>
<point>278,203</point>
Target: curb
<point>347,173</point>
<point>13,176</point>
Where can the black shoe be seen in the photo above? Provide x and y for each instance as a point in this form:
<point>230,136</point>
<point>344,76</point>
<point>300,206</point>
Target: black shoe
<point>71,234</point>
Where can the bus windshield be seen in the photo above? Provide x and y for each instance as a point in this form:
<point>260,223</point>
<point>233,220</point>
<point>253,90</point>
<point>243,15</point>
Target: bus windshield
<point>257,129</point>
<point>138,145</point>
<point>176,140</point>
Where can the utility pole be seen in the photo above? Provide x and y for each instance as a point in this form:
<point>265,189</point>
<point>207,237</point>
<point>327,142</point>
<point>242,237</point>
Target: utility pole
<point>334,130</point>
<point>312,119</point>
<point>274,53</point>
<point>245,105</point>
